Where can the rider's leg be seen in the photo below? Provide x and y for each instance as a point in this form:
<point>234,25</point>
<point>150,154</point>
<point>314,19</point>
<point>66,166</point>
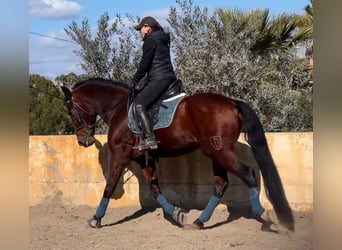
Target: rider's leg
<point>146,125</point>
<point>149,95</point>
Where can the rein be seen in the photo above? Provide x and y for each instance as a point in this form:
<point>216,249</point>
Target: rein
<point>47,93</point>
<point>79,108</point>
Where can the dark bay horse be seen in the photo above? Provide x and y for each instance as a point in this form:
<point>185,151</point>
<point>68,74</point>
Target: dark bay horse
<point>206,121</point>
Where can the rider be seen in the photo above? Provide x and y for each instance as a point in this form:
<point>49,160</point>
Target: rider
<point>155,71</point>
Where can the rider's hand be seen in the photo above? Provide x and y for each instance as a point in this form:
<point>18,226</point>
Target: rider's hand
<point>134,86</point>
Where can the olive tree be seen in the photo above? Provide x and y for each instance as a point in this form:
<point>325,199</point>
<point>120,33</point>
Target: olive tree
<point>246,55</point>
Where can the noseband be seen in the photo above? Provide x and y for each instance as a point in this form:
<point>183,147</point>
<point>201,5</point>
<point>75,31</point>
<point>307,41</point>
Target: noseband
<point>80,120</point>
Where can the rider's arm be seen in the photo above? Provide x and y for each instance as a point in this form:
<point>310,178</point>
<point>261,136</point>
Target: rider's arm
<point>149,49</point>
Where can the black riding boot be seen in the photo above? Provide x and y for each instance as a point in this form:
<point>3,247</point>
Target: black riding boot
<point>146,125</point>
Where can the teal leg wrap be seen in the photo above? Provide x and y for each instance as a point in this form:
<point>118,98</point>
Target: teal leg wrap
<point>101,210</point>
<point>255,202</point>
<point>168,208</point>
<point>209,209</point>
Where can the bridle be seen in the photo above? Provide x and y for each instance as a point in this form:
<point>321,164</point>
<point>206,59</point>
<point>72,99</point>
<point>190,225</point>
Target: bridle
<point>84,125</point>
<point>79,109</point>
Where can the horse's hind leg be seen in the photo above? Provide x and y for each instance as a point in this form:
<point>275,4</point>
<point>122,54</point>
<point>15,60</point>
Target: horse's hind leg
<point>221,166</point>
<point>221,184</point>
<point>247,175</point>
<point>150,174</point>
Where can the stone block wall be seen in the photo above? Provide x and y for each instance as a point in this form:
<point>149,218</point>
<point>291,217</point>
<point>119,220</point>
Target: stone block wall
<point>59,167</point>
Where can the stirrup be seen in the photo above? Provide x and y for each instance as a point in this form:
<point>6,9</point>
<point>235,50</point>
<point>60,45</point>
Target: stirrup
<point>147,143</point>
<point>151,142</point>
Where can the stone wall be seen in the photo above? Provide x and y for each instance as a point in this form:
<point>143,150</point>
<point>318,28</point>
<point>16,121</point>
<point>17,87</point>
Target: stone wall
<point>59,168</point>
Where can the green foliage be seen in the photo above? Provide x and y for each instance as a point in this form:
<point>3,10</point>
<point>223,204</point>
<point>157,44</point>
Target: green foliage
<point>189,29</point>
<point>304,32</point>
<point>70,79</point>
<point>304,25</point>
<point>126,49</point>
<point>280,108</point>
<point>246,55</point>
<point>94,53</point>
<point>47,114</point>
<point>112,51</point>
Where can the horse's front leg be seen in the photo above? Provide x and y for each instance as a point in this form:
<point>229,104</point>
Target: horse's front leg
<point>150,173</point>
<point>115,170</point>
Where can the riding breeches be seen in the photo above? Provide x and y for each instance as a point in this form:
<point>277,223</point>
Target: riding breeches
<point>152,92</point>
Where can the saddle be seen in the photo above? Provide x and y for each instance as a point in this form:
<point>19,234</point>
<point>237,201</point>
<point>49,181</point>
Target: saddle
<point>175,89</point>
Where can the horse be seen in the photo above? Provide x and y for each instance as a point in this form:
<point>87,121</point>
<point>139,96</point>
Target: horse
<point>210,122</point>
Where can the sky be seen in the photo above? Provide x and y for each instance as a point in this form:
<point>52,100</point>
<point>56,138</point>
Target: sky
<point>51,49</point>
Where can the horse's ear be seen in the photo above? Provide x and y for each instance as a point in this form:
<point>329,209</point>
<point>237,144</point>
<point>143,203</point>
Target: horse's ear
<point>67,92</point>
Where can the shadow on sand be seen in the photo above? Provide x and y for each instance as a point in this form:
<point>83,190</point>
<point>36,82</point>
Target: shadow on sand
<point>148,203</point>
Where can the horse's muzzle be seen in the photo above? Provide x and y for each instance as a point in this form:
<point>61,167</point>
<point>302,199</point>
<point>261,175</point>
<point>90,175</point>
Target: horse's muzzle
<point>86,141</point>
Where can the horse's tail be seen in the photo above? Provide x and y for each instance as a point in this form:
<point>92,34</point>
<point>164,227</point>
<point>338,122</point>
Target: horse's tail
<point>255,136</point>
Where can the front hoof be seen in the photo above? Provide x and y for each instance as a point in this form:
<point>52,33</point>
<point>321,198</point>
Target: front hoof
<point>94,222</point>
<point>179,216</point>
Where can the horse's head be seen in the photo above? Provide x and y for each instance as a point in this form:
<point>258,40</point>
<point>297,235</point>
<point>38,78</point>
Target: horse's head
<point>82,119</point>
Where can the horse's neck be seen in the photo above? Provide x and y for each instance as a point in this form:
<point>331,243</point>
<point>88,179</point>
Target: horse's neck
<point>109,102</point>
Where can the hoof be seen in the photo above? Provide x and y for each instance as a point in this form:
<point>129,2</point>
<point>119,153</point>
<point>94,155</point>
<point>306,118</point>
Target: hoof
<point>94,222</point>
<point>269,216</point>
<point>179,216</point>
<point>196,225</point>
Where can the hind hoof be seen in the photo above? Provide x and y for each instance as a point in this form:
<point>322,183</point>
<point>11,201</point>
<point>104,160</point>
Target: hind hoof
<point>94,222</point>
<point>269,216</point>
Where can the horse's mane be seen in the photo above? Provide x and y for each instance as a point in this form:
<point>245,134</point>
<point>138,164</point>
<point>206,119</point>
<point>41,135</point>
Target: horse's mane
<point>99,81</point>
